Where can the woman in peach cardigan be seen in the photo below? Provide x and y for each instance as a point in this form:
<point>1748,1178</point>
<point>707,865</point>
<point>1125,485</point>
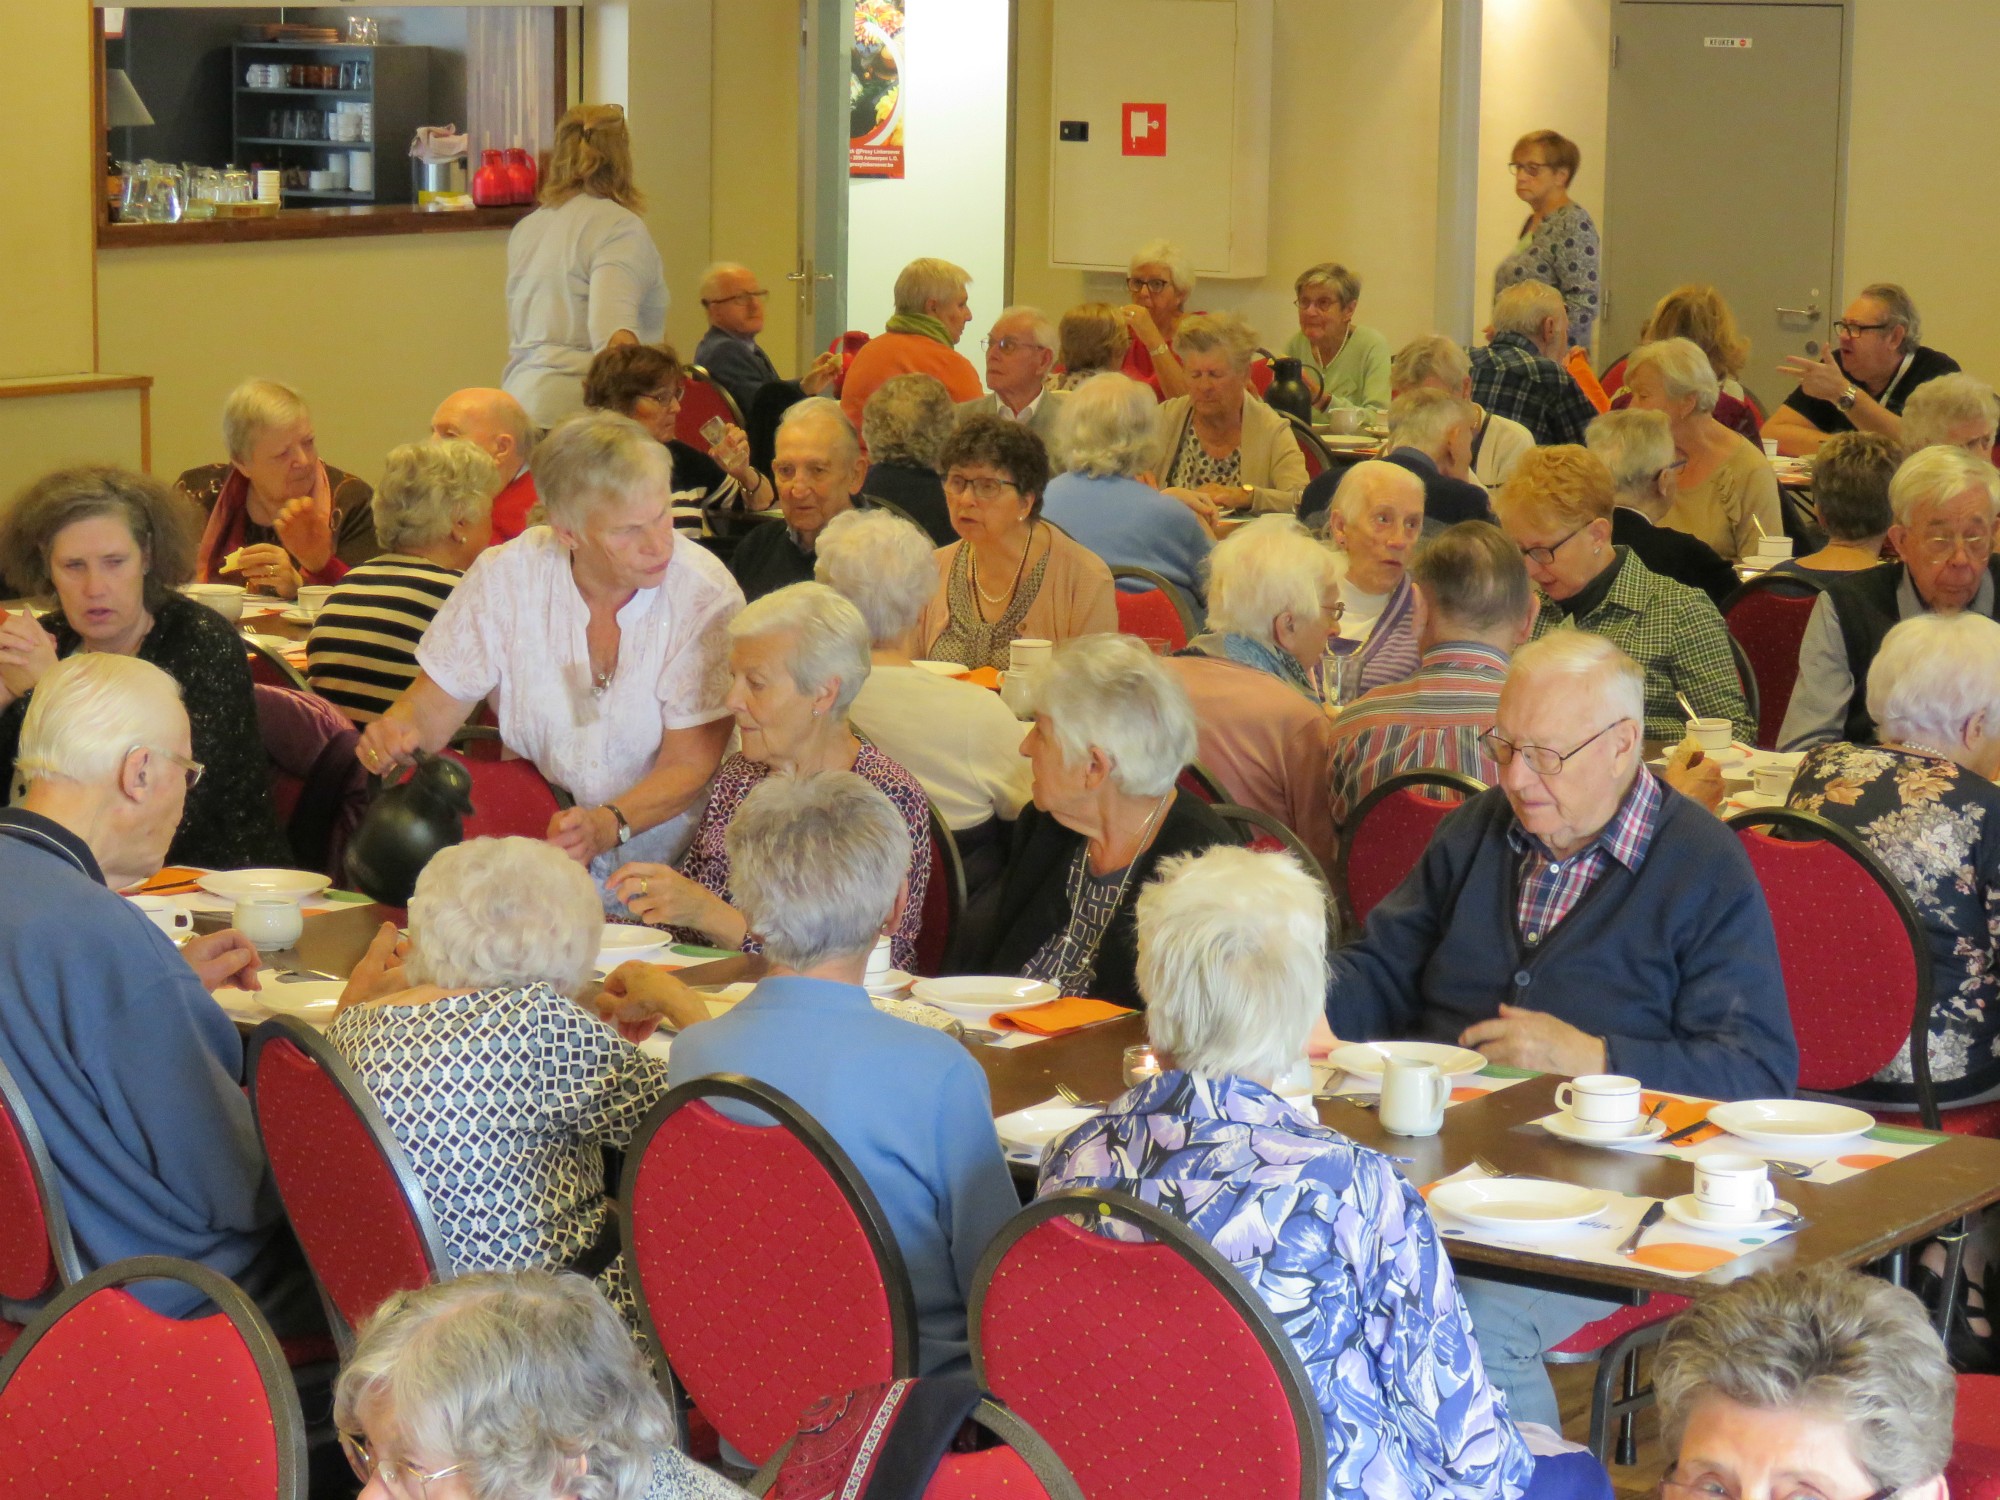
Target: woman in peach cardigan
<point>1010,574</point>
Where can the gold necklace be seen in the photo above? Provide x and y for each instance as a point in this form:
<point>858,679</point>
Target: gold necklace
<point>1008,597</point>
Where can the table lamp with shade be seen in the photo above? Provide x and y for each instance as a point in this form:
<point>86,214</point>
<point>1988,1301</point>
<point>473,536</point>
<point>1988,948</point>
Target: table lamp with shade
<point>123,110</point>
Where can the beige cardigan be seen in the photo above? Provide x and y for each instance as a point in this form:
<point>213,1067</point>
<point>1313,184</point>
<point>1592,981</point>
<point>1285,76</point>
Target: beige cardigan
<point>1268,455</point>
<point>1076,596</point>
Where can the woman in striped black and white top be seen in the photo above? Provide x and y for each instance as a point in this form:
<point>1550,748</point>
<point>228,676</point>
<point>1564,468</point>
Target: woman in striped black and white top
<point>433,516</point>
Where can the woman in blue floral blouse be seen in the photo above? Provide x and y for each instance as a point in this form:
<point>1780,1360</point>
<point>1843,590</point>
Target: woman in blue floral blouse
<point>1232,962</point>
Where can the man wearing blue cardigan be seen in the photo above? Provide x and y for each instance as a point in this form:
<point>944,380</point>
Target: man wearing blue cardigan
<point>1578,918</point>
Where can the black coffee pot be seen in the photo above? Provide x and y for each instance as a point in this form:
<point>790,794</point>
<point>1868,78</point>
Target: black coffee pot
<point>405,825</point>
<point>1287,391</point>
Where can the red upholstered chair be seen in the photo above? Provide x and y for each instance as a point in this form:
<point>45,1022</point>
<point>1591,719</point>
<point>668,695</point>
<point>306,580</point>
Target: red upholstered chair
<point>1261,831</point>
<point>509,797</point>
<point>104,1399</point>
<point>1198,781</point>
<point>1766,617</point>
<point>1024,1467</point>
<point>348,1188</point>
<point>1386,834</point>
<point>1159,611</point>
<point>767,1274</point>
<point>701,399</point>
<point>1614,1344</point>
<point>944,897</point>
<point>1151,1367</point>
<point>1974,1470</point>
<point>1312,448</point>
<point>267,666</point>
<point>37,1254</point>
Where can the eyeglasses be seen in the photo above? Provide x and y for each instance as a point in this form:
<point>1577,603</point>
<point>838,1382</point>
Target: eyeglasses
<point>1715,1489</point>
<point>758,295</point>
<point>1848,328</point>
<point>983,489</point>
<point>395,1478</point>
<point>1529,168</point>
<point>1316,304</point>
<point>1546,555</point>
<point>1540,758</point>
<point>664,396</point>
<point>1152,286</point>
<point>193,768</point>
<point>1942,545</point>
<point>1008,344</point>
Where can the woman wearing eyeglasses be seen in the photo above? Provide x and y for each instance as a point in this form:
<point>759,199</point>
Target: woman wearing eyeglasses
<point>1725,492</point>
<point>1010,574</point>
<point>1557,510</point>
<point>1348,364</point>
<point>645,382</point>
<point>1159,283</point>
<point>111,548</point>
<point>1558,243</point>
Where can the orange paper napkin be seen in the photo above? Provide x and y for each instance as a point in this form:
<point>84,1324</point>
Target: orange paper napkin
<point>1681,1113</point>
<point>1058,1017</point>
<point>172,880</point>
<point>986,677</point>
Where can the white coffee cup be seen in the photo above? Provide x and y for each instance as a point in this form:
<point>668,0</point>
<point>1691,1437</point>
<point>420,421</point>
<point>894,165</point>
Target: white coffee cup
<point>1600,1104</point>
<point>1414,1095</point>
<point>1770,447</point>
<point>270,922</point>
<point>1028,653</point>
<point>1732,1189</point>
<point>1773,781</point>
<point>1712,735</point>
<point>313,596</point>
<point>879,961</point>
<point>175,920</point>
<point>1774,546</point>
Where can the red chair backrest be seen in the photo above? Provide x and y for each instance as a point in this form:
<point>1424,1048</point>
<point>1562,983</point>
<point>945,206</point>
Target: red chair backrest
<point>508,797</point>
<point>1198,781</point>
<point>1151,615</point>
<point>1973,1472</point>
<point>846,345</point>
<point>1853,1000</point>
<point>1150,1367</point>
<point>944,899</point>
<point>1387,833</point>
<point>1768,619</point>
<point>347,1187</point>
<point>37,1254</point>
<point>701,399</point>
<point>765,1270</point>
<point>105,1399</point>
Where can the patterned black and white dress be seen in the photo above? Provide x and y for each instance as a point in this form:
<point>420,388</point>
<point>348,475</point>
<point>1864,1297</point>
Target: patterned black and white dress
<point>505,1100</point>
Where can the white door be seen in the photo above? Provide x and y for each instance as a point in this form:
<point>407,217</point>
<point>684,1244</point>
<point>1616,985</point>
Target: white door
<point>826,29</point>
<point>1724,167</point>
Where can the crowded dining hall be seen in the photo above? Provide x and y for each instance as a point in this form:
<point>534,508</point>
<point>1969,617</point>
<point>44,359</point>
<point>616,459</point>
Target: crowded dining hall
<point>770,749</point>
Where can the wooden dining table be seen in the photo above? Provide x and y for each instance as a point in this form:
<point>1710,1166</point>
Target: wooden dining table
<point>1851,1223</point>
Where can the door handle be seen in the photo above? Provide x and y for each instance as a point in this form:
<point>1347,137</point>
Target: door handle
<point>1800,312</point>
<point>806,276</point>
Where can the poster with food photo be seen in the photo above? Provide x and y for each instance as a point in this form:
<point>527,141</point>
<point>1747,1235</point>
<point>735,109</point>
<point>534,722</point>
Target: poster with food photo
<point>875,91</point>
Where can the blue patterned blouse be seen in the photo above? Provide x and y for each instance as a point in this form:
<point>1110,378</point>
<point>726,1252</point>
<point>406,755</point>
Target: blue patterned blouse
<point>1343,1252</point>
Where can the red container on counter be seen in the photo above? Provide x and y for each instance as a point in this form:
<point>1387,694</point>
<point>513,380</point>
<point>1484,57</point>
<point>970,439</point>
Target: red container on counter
<point>521,169</point>
<point>493,183</point>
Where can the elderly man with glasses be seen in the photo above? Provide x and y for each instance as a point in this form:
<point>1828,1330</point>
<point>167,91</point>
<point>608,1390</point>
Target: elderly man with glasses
<point>1944,502</point>
<point>1580,917</point>
<point>1019,352</point>
<point>1862,388</point>
<point>735,301</point>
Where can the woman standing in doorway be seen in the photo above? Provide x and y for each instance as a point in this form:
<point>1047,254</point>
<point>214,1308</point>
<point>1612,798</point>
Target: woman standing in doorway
<point>1558,242</point>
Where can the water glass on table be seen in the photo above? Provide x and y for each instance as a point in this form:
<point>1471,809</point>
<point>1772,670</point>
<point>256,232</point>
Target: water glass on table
<point>1339,677</point>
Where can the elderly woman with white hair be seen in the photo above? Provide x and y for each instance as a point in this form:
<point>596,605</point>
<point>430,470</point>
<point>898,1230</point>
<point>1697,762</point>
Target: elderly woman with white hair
<point>1818,1381</point>
<point>502,1090</point>
<point>1219,448</point>
<point>1952,411</point>
<point>955,737</point>
<point>1726,493</point>
<point>276,516</point>
<point>1113,732</point>
<point>797,658</point>
<point>1436,361</point>
<point>1159,281</point>
<point>603,644</point>
<point>1232,966</point>
<point>1638,448</point>
<point>509,1387</point>
<point>1349,364</point>
<point>433,516</point>
<point>904,427</point>
<point>1376,519</point>
<point>1274,599</point>
<point>922,338</point>
<point>1108,497</point>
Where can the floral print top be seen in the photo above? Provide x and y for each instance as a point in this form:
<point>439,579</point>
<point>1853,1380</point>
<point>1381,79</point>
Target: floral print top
<point>1343,1252</point>
<point>1561,252</point>
<point>1936,826</point>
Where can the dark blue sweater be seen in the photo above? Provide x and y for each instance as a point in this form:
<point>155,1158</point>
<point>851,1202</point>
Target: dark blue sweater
<point>1674,965</point>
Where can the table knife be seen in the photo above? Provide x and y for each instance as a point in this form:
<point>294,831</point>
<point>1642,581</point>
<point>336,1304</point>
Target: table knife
<point>1675,1137</point>
<point>1646,1221</point>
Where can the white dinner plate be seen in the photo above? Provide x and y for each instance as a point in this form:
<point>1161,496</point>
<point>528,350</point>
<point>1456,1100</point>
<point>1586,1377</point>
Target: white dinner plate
<point>1789,1123</point>
<point>1026,1132</point>
<point>278,643</point>
<point>1348,442</point>
<point>943,668</point>
<point>892,984</point>
<point>1518,1203</point>
<point>297,616</point>
<point>1564,1128</point>
<point>976,996</point>
<point>1682,1210</point>
<point>235,885</point>
<point>1367,1059</point>
<point>622,940</point>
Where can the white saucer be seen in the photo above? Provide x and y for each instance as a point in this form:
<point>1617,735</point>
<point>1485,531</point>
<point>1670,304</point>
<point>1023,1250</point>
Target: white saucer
<point>975,997</point>
<point>1564,1128</point>
<point>297,616</point>
<point>941,668</point>
<point>620,941</point>
<point>1791,1124</point>
<point>1026,1133</point>
<point>1518,1204</point>
<point>1367,1059</point>
<point>1682,1211</point>
<point>892,985</point>
<point>266,884</point>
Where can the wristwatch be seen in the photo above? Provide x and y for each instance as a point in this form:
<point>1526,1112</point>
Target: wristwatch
<point>1848,397</point>
<point>624,827</point>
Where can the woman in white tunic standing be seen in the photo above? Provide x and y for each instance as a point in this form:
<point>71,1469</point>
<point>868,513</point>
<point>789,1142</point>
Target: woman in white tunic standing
<point>582,271</point>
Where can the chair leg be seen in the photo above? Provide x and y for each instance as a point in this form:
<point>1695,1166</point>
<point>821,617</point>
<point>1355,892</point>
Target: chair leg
<point>1600,1409</point>
<point>1953,1241</point>
<point>1628,1439</point>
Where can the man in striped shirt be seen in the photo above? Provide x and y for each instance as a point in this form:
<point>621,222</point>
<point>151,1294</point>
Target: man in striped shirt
<point>1474,606</point>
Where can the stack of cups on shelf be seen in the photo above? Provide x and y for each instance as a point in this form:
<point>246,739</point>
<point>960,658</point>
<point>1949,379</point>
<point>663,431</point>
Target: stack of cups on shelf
<point>267,186</point>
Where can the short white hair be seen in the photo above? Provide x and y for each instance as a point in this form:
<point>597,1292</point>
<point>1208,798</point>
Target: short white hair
<point>908,420</point>
<point>598,458</point>
<point>255,408</point>
<point>1424,417</point>
<point>1041,327</point>
<point>1110,692</point>
<point>717,273</point>
<point>1232,961</point>
<point>1634,445</point>
<point>1430,357</point>
<point>1268,567</point>
<point>1934,672</point>
<point>1370,480</point>
<point>827,412</point>
<point>929,280</point>
<point>90,711</point>
<point>1684,369</point>
<point>1589,661</point>
<point>1218,332</point>
<point>1934,476</point>
<point>881,563</point>
<point>1937,406</point>
<point>1108,427</point>
<point>428,488</point>
<point>494,914</point>
<point>1164,253</point>
<point>829,638</point>
<point>814,865</point>
<point>1525,306</point>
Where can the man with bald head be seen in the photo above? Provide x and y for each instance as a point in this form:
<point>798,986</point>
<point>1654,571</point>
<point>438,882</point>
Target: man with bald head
<point>734,300</point>
<point>494,421</point>
<point>819,470</point>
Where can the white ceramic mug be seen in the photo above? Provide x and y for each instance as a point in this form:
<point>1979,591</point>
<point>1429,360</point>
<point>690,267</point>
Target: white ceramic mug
<point>1604,1104</point>
<point>1774,546</point>
<point>1731,1189</point>
<point>1712,735</point>
<point>175,920</point>
<point>270,922</point>
<point>1028,653</point>
<point>313,596</point>
<point>1773,781</point>
<point>880,961</point>
<point>1414,1095</point>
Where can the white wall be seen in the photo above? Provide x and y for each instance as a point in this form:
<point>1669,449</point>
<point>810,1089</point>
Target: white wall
<point>952,199</point>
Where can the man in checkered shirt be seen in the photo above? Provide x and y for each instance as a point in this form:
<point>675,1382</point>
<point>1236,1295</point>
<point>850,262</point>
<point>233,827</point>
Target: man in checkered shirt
<point>1520,373</point>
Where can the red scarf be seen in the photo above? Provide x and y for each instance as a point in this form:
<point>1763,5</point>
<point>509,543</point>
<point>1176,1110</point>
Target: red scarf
<point>228,523</point>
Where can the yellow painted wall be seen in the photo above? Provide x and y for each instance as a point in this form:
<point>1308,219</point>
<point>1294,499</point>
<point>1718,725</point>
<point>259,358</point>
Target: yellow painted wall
<point>40,433</point>
<point>753,211</point>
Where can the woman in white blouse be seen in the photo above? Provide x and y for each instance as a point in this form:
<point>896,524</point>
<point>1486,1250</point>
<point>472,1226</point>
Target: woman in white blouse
<point>603,645</point>
<point>582,271</point>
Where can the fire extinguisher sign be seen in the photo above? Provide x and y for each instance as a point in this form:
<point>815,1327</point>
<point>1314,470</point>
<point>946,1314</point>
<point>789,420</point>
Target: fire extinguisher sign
<point>1145,132</point>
